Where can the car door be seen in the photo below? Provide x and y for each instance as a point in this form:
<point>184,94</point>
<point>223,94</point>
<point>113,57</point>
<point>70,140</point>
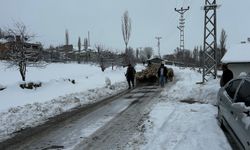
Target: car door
<point>241,124</point>
<point>227,95</point>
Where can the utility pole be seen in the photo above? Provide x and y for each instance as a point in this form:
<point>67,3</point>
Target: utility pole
<point>181,25</point>
<point>209,44</point>
<point>158,45</point>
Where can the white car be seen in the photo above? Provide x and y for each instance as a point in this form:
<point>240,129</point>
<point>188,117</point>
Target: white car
<point>234,110</point>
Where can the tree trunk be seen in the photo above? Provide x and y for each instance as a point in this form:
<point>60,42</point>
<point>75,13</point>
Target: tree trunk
<point>22,69</point>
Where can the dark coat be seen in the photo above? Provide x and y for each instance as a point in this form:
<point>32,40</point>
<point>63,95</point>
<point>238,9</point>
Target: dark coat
<point>226,76</point>
<point>130,74</point>
<point>165,71</point>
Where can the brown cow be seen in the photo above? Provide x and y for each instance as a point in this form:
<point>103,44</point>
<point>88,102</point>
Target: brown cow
<point>170,74</point>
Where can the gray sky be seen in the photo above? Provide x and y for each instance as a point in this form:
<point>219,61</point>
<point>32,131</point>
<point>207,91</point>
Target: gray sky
<point>48,19</point>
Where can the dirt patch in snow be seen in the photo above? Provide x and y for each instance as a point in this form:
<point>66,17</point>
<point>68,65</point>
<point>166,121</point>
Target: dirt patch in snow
<point>190,101</point>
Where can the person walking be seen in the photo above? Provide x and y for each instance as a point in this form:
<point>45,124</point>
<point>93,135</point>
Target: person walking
<point>162,72</point>
<point>130,75</point>
<point>227,75</point>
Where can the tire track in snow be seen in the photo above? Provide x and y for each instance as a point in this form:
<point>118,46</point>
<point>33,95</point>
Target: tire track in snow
<point>171,129</point>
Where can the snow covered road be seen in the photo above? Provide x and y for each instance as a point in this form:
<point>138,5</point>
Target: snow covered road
<point>126,130</point>
<point>185,126</point>
<point>113,121</point>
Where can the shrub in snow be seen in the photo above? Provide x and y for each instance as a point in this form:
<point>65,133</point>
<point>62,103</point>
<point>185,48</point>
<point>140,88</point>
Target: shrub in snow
<point>30,85</point>
<point>2,87</point>
<point>112,87</point>
<point>107,82</point>
<point>70,80</point>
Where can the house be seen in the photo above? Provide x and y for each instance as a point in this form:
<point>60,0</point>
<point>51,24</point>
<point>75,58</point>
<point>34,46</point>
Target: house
<point>6,46</point>
<point>155,60</point>
<point>238,58</point>
<point>3,48</point>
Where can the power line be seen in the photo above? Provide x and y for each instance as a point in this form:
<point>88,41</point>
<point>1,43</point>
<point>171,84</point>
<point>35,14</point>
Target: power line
<point>181,25</point>
<point>210,37</point>
<point>158,45</point>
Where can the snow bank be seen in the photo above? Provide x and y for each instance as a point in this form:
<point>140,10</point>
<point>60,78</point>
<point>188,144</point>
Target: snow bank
<point>186,87</point>
<point>56,81</point>
<point>31,115</point>
<point>22,108</point>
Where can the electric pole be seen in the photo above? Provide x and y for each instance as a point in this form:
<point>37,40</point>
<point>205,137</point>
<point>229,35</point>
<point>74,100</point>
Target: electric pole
<point>181,25</point>
<point>158,45</point>
<point>209,44</point>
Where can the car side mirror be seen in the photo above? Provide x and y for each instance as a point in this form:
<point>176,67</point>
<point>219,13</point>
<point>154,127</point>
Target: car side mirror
<point>240,107</point>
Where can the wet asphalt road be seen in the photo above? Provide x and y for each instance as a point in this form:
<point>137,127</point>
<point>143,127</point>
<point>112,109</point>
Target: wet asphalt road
<point>104,126</point>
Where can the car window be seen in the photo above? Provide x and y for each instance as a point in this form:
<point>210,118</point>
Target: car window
<point>232,87</point>
<point>243,94</point>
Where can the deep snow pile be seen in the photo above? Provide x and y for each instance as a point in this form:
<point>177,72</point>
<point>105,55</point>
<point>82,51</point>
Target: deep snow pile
<point>56,81</point>
<point>187,88</point>
<point>30,115</point>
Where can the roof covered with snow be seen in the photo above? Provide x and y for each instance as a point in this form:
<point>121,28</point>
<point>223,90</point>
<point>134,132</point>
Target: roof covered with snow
<point>237,53</point>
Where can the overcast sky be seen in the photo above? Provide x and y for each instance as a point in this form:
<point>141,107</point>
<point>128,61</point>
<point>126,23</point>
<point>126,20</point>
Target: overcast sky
<point>49,19</point>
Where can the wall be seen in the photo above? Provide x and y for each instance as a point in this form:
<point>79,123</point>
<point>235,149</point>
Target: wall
<point>237,68</point>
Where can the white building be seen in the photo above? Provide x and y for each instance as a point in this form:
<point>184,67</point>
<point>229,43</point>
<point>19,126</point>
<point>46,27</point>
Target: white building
<point>238,58</point>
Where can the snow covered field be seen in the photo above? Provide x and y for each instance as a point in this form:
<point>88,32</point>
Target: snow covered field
<point>22,108</point>
<point>172,124</point>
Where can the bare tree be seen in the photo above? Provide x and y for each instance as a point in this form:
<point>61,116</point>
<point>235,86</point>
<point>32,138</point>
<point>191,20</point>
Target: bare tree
<point>201,53</point>
<point>187,56</point>
<point>137,54</point>
<point>66,37</point>
<point>79,49</point>
<point>196,55</point>
<point>100,58</point>
<point>1,33</point>
<point>142,56</point>
<point>222,50</point>
<point>126,31</point>
<point>131,56</point>
<point>86,45</point>
<point>148,52</point>
<point>20,54</point>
